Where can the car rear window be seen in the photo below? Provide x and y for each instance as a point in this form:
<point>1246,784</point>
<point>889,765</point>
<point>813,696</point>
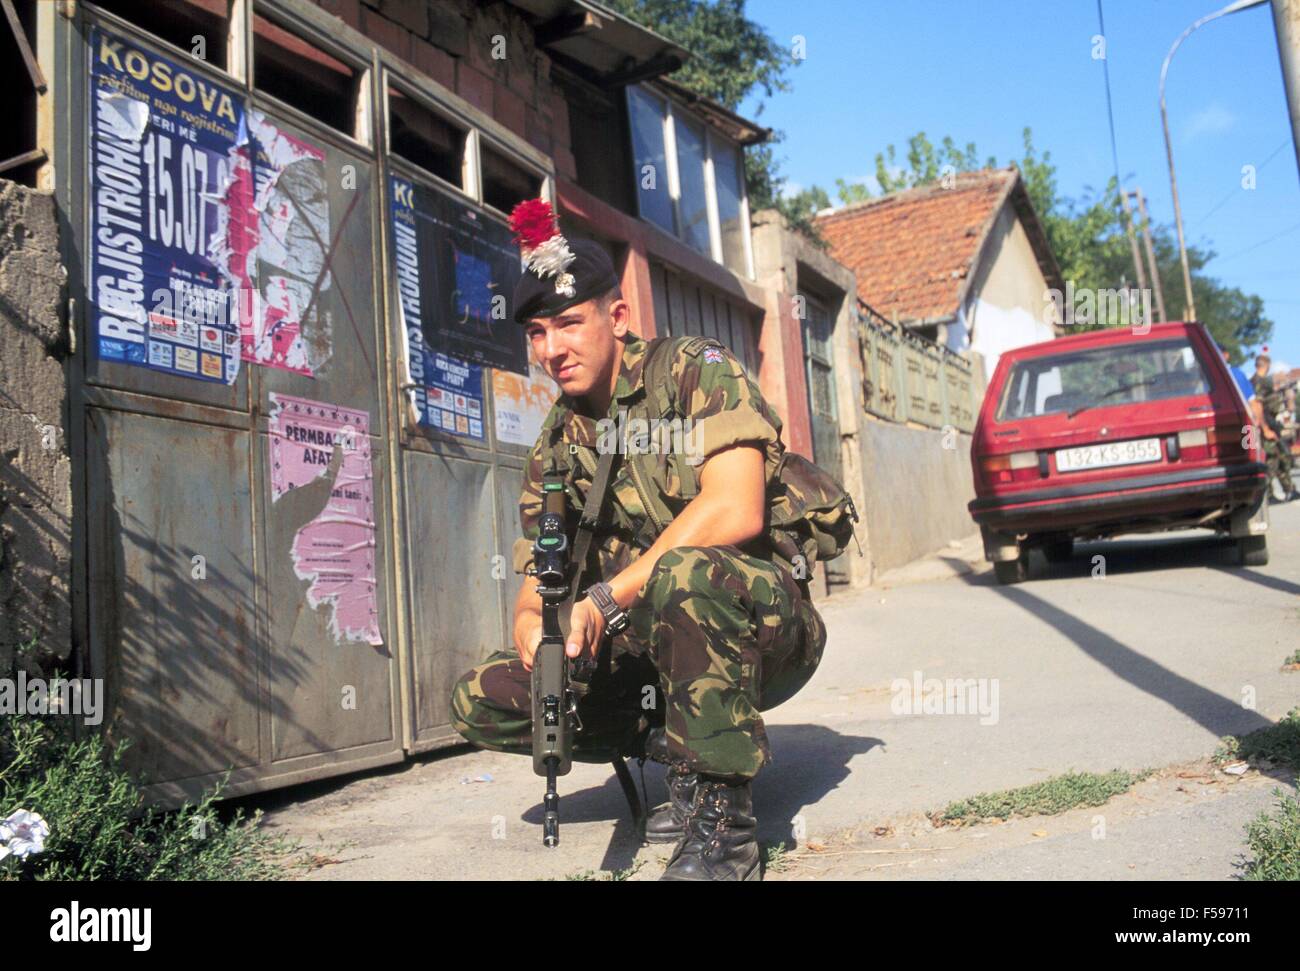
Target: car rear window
<point>1102,376</point>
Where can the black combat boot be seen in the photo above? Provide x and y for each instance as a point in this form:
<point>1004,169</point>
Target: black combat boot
<point>721,841</point>
<point>667,823</point>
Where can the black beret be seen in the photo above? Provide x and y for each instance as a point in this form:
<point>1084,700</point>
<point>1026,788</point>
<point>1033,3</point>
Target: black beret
<point>593,274</point>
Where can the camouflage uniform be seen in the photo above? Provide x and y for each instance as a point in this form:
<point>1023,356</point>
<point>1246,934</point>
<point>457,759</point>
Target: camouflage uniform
<point>1277,454</point>
<point>719,633</point>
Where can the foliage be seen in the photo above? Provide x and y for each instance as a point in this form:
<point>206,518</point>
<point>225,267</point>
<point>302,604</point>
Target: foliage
<point>1274,842</point>
<point>1278,743</point>
<point>1045,798</point>
<point>1088,238</point>
<point>99,826</point>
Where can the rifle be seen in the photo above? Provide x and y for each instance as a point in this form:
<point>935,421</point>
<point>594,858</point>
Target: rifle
<point>557,682</point>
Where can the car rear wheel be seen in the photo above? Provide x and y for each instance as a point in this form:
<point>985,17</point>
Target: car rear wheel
<point>1059,550</point>
<point>1253,550</point>
<point>1013,571</point>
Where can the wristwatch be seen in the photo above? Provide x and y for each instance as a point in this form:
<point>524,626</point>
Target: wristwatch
<point>602,595</point>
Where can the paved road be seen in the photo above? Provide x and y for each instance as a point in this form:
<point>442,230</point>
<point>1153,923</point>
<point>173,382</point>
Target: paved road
<point>1147,666</point>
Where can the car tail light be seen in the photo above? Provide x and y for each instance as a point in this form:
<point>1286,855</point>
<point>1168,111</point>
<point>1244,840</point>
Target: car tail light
<point>1229,441</point>
<point>1014,467</point>
<point>1223,441</point>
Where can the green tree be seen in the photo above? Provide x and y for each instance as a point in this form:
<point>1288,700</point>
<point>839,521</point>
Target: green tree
<point>731,57</point>
<point>1087,236</point>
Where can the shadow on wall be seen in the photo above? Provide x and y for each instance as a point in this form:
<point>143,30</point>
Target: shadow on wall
<point>915,491</point>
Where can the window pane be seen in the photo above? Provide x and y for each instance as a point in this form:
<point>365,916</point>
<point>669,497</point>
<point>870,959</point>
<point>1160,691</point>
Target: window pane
<point>728,175</point>
<point>425,138</point>
<point>505,185</point>
<point>647,122</point>
<point>179,22</point>
<point>693,204</point>
<point>302,75</point>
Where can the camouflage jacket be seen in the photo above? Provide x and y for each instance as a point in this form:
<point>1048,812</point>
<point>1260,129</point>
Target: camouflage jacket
<point>1270,399</point>
<point>719,406</point>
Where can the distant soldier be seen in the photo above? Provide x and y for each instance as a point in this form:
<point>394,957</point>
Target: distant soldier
<point>1273,405</point>
<point>711,625</point>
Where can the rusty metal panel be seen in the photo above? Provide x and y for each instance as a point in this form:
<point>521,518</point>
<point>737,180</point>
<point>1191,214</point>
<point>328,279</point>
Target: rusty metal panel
<point>659,290</point>
<point>913,379</point>
<point>324,694</point>
<point>884,398</point>
<point>676,306</point>
<point>510,483</point>
<point>330,208</point>
<point>930,365</point>
<point>173,636</point>
<point>456,616</point>
<point>708,322</point>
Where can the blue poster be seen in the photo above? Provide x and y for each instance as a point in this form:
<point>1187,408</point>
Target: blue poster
<point>447,392</point>
<point>163,140</point>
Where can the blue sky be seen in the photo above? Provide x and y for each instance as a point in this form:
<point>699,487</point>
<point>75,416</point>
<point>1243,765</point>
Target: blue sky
<point>876,72</point>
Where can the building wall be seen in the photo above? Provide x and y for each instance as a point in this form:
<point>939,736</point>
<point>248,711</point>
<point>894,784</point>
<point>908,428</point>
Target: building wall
<point>917,483</point>
<point>35,491</point>
<point>452,42</point>
<point>1008,306</point>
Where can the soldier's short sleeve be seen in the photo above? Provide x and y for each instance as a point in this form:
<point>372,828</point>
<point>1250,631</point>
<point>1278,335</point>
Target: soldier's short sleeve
<point>725,407</point>
<point>530,510</point>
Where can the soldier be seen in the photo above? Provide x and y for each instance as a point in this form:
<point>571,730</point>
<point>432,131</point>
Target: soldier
<point>719,627</point>
<point>1276,450</point>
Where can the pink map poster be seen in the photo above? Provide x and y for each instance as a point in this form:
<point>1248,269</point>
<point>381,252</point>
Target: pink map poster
<point>336,550</point>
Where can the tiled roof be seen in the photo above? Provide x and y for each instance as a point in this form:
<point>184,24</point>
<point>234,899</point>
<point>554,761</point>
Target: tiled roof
<point>913,251</point>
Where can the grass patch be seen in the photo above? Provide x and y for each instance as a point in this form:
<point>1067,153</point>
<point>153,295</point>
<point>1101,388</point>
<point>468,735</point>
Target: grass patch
<point>100,828</point>
<point>1293,661</point>
<point>776,857</point>
<point>606,876</point>
<point>1278,743</point>
<point>1274,842</point>
<point>1047,798</point>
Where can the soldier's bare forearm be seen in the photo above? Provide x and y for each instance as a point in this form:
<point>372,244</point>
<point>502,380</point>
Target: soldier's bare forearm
<point>728,510</point>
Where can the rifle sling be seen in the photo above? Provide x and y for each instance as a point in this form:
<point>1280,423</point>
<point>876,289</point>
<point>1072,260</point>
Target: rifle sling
<point>591,513</point>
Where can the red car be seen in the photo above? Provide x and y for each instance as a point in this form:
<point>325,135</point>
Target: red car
<point>1111,432</point>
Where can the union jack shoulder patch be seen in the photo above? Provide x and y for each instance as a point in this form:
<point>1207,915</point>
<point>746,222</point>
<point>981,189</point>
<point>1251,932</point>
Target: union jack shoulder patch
<point>713,356</point>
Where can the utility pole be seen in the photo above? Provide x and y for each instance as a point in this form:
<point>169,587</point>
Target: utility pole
<point>1151,256</point>
<point>1169,148</point>
<point>1132,241</point>
<point>1286,20</point>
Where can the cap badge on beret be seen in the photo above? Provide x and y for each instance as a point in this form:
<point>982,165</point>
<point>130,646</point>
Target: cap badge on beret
<point>544,249</point>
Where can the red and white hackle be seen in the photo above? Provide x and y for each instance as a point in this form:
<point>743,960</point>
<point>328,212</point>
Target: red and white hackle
<point>545,251</point>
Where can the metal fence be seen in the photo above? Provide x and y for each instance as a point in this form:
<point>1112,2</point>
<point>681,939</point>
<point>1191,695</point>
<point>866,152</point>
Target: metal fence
<point>906,378</point>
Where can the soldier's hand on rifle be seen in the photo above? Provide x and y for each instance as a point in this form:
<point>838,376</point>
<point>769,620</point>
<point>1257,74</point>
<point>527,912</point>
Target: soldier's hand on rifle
<point>528,635</point>
<point>586,627</point>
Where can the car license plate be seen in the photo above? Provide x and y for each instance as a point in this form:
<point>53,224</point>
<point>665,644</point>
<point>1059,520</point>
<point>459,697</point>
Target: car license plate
<point>1103,456</point>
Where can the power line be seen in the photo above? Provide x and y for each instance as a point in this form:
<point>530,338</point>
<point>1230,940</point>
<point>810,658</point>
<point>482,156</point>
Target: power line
<point>1262,242</point>
<point>1110,112</point>
<point>1232,193</point>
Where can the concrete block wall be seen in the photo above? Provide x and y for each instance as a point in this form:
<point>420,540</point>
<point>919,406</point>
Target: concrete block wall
<point>35,491</point>
<point>483,52</point>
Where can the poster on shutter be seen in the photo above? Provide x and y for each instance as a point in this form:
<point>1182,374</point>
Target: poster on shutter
<point>521,404</point>
<point>461,267</point>
<point>446,392</point>
<point>160,142</point>
<point>455,396</point>
<point>336,550</point>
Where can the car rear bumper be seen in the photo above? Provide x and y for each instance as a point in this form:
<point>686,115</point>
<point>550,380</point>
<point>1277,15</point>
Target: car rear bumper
<point>1119,500</point>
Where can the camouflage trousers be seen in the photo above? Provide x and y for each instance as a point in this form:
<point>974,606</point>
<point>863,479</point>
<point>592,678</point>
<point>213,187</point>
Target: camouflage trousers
<point>717,636</point>
<point>1280,462</point>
